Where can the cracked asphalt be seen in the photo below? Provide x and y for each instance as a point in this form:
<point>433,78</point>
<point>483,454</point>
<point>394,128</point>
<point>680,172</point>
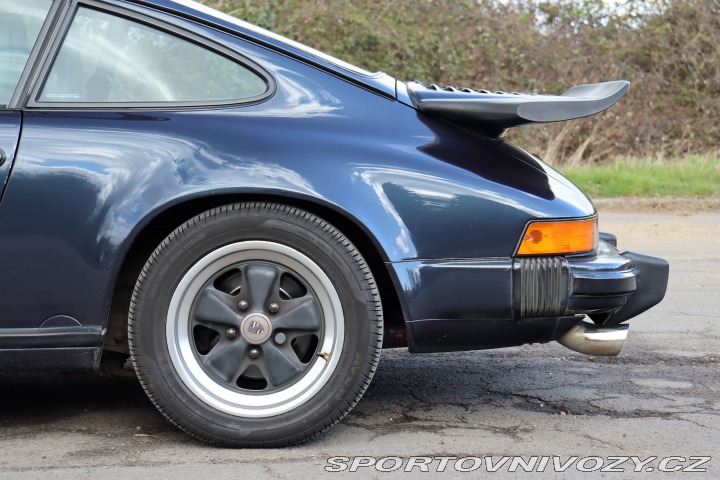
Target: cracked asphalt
<point>660,397</point>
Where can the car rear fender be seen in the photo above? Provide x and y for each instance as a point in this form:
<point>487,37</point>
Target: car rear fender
<point>159,223</point>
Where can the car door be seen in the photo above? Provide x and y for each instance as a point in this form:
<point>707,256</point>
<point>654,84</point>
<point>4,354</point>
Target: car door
<point>21,22</point>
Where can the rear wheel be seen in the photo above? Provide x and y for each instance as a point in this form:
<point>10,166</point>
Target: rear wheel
<point>255,325</point>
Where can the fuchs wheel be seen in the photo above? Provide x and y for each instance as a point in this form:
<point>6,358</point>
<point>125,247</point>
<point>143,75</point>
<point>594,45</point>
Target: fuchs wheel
<point>255,324</point>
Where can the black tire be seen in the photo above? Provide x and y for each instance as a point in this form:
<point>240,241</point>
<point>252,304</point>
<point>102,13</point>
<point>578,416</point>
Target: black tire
<point>202,359</point>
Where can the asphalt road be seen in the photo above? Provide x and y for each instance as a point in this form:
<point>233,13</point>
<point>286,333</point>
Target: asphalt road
<point>660,397</point>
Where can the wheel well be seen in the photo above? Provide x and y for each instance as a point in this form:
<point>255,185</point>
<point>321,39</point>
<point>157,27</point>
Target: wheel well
<point>161,226</point>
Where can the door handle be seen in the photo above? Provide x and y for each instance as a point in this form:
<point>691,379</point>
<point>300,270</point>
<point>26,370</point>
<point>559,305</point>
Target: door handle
<point>3,157</point>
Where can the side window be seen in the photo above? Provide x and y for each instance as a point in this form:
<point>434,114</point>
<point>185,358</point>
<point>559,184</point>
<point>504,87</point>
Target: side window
<point>109,59</point>
<point>20,24</point>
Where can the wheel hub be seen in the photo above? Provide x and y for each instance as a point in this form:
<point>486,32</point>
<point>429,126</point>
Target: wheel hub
<point>256,328</point>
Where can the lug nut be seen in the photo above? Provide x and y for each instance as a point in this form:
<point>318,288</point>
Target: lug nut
<point>274,307</point>
<point>254,353</point>
<point>243,305</point>
<point>230,333</point>
<point>280,338</point>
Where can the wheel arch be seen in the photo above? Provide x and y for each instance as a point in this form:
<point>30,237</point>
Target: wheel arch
<point>162,222</point>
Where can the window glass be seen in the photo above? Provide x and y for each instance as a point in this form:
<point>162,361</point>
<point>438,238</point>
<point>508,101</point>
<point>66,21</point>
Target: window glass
<point>20,24</point>
<point>109,59</point>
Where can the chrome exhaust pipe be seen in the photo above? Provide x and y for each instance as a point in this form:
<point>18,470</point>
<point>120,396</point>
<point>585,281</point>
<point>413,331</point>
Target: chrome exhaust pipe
<point>591,339</point>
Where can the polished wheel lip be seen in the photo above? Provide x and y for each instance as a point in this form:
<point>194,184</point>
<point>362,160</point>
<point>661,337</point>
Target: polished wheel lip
<point>207,389</point>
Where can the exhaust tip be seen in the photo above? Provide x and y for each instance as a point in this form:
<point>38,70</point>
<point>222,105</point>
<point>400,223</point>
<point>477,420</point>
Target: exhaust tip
<point>598,340</point>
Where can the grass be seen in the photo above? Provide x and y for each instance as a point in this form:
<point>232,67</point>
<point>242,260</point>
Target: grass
<point>693,176</point>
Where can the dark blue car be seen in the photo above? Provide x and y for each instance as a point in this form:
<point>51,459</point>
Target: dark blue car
<point>251,221</point>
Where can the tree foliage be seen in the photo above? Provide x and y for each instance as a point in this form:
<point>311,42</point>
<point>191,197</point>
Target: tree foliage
<point>668,49</point>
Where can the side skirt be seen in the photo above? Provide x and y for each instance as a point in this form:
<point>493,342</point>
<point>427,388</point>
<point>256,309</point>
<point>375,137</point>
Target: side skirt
<point>50,349</point>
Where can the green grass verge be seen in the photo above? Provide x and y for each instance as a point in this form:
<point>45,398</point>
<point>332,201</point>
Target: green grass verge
<point>694,176</point>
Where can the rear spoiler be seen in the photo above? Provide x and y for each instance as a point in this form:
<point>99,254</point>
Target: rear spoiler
<point>495,112</point>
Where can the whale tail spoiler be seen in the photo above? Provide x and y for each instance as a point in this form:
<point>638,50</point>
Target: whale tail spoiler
<point>495,112</point>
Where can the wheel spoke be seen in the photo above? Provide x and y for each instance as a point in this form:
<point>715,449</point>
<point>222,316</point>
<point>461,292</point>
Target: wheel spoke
<point>280,364</point>
<point>300,315</point>
<point>262,281</point>
<point>225,359</point>
<point>213,309</point>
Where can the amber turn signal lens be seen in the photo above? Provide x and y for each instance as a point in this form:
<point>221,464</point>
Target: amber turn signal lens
<point>550,238</point>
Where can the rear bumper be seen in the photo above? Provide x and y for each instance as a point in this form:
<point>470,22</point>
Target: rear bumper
<point>611,288</point>
<point>472,305</point>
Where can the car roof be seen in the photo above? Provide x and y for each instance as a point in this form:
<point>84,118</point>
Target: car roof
<point>377,81</point>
